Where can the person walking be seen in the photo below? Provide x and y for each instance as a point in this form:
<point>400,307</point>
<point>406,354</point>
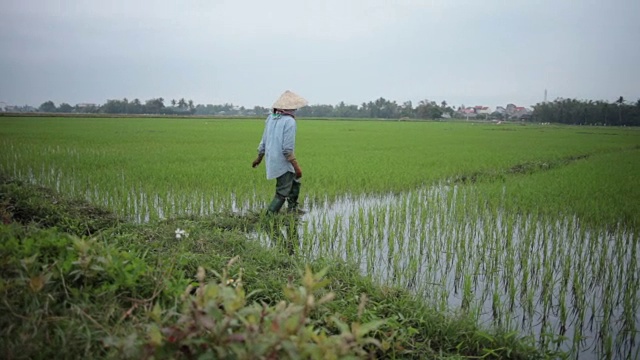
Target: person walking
<point>278,145</point>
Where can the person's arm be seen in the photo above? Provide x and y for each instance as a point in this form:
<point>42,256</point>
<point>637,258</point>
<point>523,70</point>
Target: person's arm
<point>258,160</point>
<point>289,144</point>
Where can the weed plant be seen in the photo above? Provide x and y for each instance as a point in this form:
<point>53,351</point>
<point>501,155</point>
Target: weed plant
<point>141,291</point>
<point>528,228</point>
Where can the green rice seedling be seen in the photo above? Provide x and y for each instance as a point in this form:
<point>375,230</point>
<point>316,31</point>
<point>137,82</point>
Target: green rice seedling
<point>467,294</point>
<point>608,347</point>
<point>556,209</point>
<point>496,306</point>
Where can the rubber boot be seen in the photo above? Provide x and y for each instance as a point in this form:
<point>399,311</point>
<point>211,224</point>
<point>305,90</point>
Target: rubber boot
<point>292,199</point>
<point>275,205</point>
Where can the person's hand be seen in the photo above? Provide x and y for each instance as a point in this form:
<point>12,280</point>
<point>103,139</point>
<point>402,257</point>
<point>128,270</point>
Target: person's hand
<point>257,161</point>
<point>297,169</point>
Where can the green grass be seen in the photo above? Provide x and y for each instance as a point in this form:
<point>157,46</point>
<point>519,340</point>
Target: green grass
<point>469,207</point>
<point>601,190</point>
<point>67,296</point>
<point>129,164</point>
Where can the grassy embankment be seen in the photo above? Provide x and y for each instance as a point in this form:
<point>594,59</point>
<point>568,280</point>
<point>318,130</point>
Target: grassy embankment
<point>80,282</point>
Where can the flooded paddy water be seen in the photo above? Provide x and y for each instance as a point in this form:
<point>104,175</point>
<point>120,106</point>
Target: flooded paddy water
<point>571,287</point>
<point>564,281</point>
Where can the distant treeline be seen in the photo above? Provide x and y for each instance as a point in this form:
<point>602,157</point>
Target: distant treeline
<point>380,108</point>
<point>580,112</point>
<point>565,111</point>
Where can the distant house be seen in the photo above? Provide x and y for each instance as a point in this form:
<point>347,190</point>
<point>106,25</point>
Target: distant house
<point>521,113</point>
<point>513,111</point>
<point>482,110</point>
<point>85,105</point>
<point>16,109</point>
<point>467,112</point>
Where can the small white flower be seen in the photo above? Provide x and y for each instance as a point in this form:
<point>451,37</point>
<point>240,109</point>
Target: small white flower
<point>180,233</point>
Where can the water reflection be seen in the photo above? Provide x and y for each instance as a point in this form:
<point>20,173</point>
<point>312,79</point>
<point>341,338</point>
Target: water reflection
<point>572,287</point>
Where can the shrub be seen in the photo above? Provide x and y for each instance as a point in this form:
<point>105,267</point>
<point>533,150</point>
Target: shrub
<point>216,321</point>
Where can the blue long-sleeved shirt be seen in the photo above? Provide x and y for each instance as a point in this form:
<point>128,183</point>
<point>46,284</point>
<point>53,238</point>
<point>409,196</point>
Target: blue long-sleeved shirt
<point>278,143</point>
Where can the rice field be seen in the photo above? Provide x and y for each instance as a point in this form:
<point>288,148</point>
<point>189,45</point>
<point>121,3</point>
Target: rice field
<point>530,228</point>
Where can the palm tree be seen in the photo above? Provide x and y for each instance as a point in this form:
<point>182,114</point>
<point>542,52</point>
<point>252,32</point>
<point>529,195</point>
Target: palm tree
<point>620,102</point>
<point>173,102</point>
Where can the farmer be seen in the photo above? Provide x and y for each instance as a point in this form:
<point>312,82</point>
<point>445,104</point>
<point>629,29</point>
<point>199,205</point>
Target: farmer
<point>278,144</point>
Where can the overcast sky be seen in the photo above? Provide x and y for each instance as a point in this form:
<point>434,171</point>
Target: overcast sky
<point>247,52</point>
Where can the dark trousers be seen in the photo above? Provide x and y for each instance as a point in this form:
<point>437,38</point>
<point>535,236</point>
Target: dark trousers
<point>287,188</point>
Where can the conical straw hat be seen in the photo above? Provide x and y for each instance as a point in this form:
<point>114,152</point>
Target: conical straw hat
<point>289,101</point>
